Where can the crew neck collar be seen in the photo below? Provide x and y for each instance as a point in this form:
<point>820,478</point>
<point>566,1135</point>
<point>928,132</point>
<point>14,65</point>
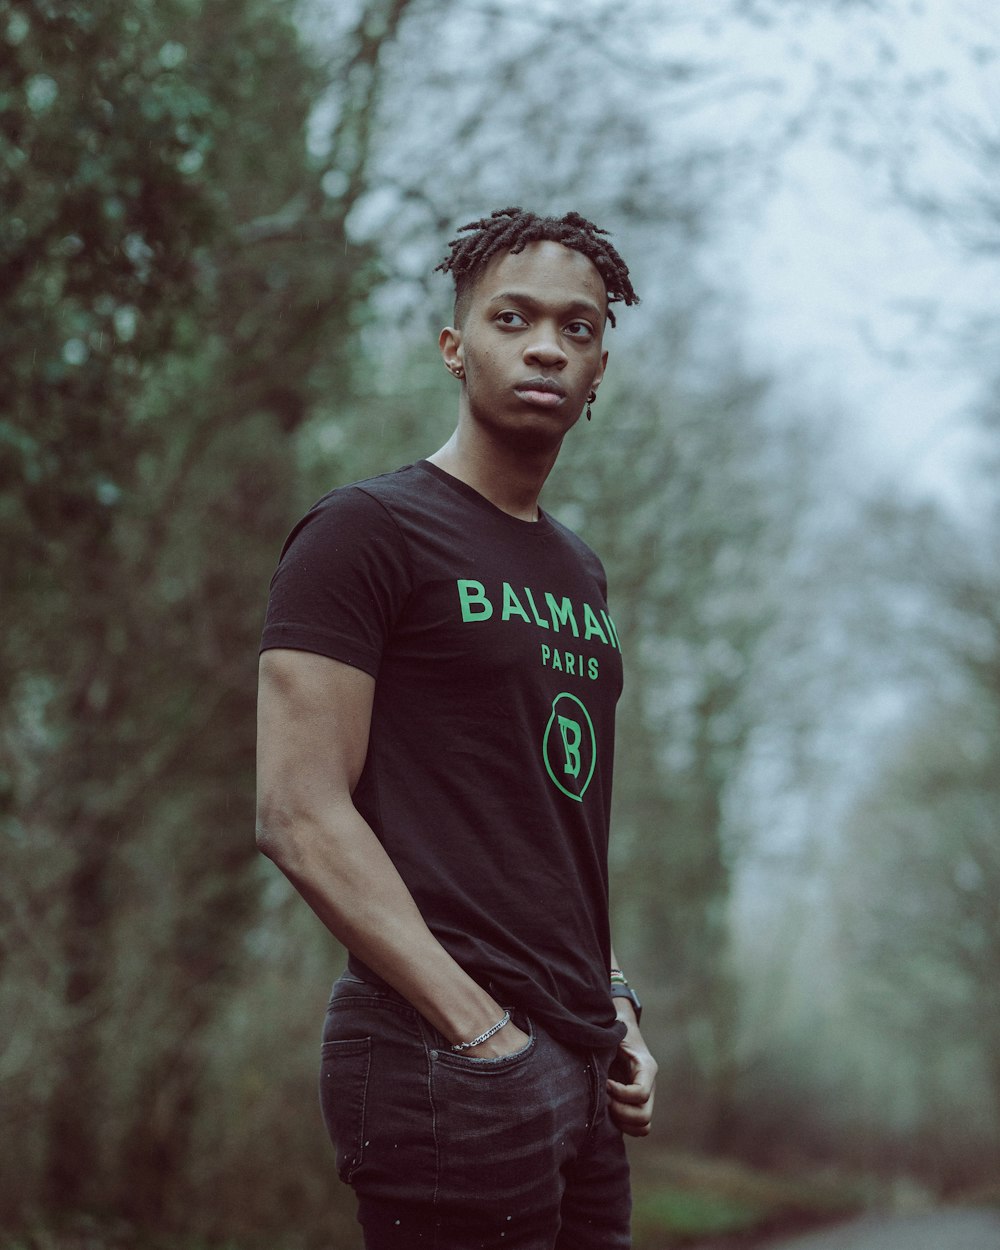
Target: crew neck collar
<point>542,526</point>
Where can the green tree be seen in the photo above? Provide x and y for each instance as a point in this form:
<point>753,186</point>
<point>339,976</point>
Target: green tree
<point>177,287</point>
<point>919,934</point>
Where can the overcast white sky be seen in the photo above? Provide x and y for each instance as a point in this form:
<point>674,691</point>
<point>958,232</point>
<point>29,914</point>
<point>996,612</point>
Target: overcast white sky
<point>861,297</point>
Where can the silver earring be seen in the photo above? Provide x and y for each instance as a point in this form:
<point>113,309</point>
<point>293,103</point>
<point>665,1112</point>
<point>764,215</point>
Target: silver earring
<point>457,370</point>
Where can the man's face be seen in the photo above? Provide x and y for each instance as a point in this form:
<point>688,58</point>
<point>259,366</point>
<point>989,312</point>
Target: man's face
<point>530,342</point>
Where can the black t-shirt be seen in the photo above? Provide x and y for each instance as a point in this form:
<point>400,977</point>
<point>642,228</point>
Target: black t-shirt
<point>488,774</point>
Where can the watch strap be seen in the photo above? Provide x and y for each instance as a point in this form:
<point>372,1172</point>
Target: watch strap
<point>626,991</point>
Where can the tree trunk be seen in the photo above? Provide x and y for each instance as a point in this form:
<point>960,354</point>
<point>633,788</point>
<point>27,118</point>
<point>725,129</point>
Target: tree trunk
<point>77,1097</point>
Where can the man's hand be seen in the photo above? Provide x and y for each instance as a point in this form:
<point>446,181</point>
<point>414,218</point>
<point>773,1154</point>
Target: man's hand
<point>632,1081</point>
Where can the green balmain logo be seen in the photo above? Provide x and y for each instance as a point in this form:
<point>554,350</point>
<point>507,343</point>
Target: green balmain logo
<point>558,615</point>
<point>569,746</point>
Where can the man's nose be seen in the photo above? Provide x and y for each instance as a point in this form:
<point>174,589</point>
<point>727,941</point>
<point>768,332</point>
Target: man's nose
<point>545,348</point>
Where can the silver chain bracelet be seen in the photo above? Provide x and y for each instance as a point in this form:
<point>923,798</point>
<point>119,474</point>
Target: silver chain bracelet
<point>483,1037</point>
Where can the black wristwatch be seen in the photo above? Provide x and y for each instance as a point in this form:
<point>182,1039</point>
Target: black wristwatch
<point>626,991</point>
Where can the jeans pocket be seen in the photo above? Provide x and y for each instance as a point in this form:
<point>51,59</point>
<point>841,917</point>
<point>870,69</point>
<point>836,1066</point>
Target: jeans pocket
<point>343,1093</point>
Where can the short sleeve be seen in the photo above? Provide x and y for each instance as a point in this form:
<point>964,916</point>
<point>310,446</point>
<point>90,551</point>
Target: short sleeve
<point>341,581</point>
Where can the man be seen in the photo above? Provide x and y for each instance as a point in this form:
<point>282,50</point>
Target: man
<point>437,693</point>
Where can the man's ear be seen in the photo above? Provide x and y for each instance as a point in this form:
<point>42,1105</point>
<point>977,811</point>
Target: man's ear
<point>450,344</point>
<point>599,373</point>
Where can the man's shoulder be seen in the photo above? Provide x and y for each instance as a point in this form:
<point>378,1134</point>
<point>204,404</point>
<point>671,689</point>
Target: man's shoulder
<point>383,488</point>
<point>362,512</point>
<point>372,500</point>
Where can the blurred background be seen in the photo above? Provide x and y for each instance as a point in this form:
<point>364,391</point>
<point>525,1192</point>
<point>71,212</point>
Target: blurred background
<point>218,229</point>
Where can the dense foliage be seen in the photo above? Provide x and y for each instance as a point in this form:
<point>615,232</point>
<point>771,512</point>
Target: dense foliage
<point>156,355</point>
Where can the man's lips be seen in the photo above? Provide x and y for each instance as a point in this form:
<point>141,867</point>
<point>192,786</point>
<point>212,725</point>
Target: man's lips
<point>541,391</point>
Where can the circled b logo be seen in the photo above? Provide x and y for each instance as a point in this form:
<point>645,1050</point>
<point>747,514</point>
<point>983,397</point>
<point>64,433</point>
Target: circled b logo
<point>569,746</point>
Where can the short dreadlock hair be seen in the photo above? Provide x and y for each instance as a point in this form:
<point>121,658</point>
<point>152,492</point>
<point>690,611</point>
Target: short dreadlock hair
<point>512,229</point>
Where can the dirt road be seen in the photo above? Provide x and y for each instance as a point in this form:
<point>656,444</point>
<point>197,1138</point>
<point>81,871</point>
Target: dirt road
<point>935,1230</point>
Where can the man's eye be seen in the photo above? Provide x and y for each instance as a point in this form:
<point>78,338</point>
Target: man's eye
<point>579,329</point>
<point>511,319</point>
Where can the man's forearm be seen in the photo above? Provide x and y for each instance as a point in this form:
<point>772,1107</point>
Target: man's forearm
<point>342,871</point>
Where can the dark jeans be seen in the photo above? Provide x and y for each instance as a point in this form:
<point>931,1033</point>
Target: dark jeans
<point>447,1152</point>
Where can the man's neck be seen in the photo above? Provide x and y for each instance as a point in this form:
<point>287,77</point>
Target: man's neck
<point>510,478</point>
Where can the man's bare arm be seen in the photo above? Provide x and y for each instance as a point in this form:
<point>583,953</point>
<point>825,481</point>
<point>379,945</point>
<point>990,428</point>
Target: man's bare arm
<point>630,1098</point>
<point>313,721</point>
